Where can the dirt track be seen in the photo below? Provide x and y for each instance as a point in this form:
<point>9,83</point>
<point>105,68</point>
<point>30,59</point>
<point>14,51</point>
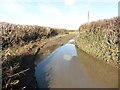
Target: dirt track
<point>70,67</point>
<point>50,45</point>
<point>27,58</point>
<point>28,80</point>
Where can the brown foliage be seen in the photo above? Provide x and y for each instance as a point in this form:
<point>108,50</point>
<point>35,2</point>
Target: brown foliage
<point>22,34</point>
<point>100,25</point>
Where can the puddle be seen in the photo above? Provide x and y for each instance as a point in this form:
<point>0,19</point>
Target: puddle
<point>45,53</point>
<point>99,71</point>
<point>68,67</point>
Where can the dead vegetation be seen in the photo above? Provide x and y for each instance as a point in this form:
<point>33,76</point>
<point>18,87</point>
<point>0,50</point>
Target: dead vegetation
<point>13,34</point>
<point>20,46</point>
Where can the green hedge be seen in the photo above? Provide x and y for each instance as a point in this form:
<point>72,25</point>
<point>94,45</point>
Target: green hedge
<point>101,38</point>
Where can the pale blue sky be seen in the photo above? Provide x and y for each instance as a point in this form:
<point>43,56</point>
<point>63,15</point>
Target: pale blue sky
<point>69,14</point>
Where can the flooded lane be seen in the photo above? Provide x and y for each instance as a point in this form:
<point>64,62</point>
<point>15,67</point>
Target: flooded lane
<point>66,68</point>
<point>100,72</point>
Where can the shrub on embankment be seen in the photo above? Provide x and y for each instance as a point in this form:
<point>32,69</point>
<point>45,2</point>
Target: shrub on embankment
<point>20,46</point>
<point>101,38</point>
<point>23,34</point>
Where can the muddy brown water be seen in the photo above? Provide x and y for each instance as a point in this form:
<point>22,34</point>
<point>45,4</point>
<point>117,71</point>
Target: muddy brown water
<point>70,67</point>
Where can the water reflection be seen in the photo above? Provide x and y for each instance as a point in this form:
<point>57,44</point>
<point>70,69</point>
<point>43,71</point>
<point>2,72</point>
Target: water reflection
<point>47,70</point>
<point>67,67</point>
<point>43,72</point>
<point>100,72</point>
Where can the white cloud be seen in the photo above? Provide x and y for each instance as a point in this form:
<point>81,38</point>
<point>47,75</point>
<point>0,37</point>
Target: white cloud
<point>71,19</point>
<point>11,6</point>
<point>98,1</point>
<point>69,2</point>
<point>68,22</point>
<point>49,10</point>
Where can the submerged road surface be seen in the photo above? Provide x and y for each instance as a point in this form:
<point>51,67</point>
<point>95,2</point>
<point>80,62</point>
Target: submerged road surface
<point>63,69</point>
